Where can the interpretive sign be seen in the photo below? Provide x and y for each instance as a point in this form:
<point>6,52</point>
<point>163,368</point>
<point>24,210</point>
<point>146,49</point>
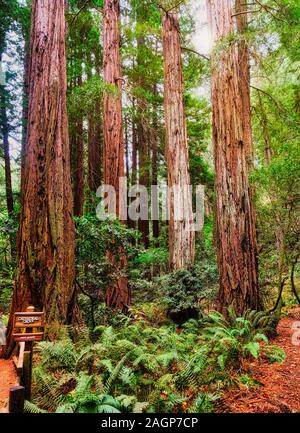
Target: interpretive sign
<point>28,326</point>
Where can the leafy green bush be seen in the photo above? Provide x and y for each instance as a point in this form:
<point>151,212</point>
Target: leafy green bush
<point>8,230</point>
<point>182,295</point>
<point>184,291</point>
<point>94,271</point>
<point>236,337</point>
<point>147,368</point>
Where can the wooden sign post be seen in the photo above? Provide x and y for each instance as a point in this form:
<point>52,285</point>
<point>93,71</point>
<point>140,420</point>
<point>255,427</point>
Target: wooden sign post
<point>28,328</point>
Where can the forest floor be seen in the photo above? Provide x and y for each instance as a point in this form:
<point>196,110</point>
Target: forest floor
<point>278,387</point>
<point>279,390</point>
<point>8,378</point>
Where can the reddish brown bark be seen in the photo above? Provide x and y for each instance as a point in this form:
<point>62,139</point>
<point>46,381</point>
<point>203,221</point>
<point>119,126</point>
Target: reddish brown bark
<point>25,105</point>
<point>95,148</point>
<point>78,174</point>
<point>143,147</point>
<point>118,294</point>
<point>134,150</point>
<point>243,73</point>
<point>133,178</point>
<point>154,163</point>
<point>235,216</point>
<point>268,151</point>
<point>95,138</point>
<point>8,182</point>
<point>181,234</point>
<point>126,147</point>
<point>45,276</point>
<point>5,138</point>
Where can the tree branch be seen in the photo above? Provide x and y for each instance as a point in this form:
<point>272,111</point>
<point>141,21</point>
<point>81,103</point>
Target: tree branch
<point>176,6</point>
<point>166,11</point>
<point>245,12</point>
<point>269,10</point>
<point>79,11</point>
<point>195,52</point>
<point>293,286</point>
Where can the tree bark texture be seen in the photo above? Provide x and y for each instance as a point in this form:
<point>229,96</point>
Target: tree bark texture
<point>143,135</point>
<point>154,167</point>
<point>235,215</point>
<point>118,294</point>
<point>46,244</point>
<point>25,105</point>
<point>181,234</point>
<point>95,148</point>
<point>78,175</point>
<point>95,132</point>
<point>6,155</point>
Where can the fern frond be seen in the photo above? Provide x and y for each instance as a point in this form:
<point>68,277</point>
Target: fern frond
<point>32,408</point>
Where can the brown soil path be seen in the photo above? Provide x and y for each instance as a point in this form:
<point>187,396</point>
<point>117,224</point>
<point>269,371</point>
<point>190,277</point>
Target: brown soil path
<point>280,390</point>
<point>8,378</point>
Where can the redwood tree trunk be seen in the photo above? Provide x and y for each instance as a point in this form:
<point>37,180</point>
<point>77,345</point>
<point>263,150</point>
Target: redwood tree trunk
<point>181,234</point>
<point>133,178</point>
<point>154,163</point>
<point>95,135</point>
<point>94,149</point>
<point>118,294</point>
<point>78,175</point>
<point>45,276</point>
<point>143,146</point>
<point>25,104</point>
<point>268,151</point>
<point>5,137</point>
<point>235,216</point>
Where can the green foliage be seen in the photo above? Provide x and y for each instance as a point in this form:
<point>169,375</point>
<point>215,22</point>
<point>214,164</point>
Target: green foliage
<point>84,98</point>
<point>32,408</point>
<point>139,367</point>
<point>83,400</point>
<point>248,381</point>
<point>94,271</point>
<point>237,337</point>
<point>274,354</point>
<point>151,256</point>
<point>183,291</point>
<point>142,362</point>
<point>204,403</point>
<point>8,230</point>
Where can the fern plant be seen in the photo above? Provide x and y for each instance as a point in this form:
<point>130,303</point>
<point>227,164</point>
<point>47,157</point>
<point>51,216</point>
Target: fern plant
<point>145,368</point>
<point>235,337</point>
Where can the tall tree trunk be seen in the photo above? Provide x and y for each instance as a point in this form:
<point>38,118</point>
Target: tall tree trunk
<point>268,151</point>
<point>5,137</point>
<point>78,176</point>
<point>126,121</point>
<point>95,134</point>
<point>155,139</point>
<point>181,234</point>
<point>133,178</point>
<point>94,149</point>
<point>25,104</point>
<point>45,276</point>
<point>118,294</point>
<point>143,146</point>
<point>235,216</point>
<point>243,74</point>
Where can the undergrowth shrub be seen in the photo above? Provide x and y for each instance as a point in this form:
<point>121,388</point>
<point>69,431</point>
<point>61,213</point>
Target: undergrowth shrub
<point>234,338</point>
<point>139,367</point>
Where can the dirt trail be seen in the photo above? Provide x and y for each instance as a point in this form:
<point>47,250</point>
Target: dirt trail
<point>8,378</point>
<point>280,390</point>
